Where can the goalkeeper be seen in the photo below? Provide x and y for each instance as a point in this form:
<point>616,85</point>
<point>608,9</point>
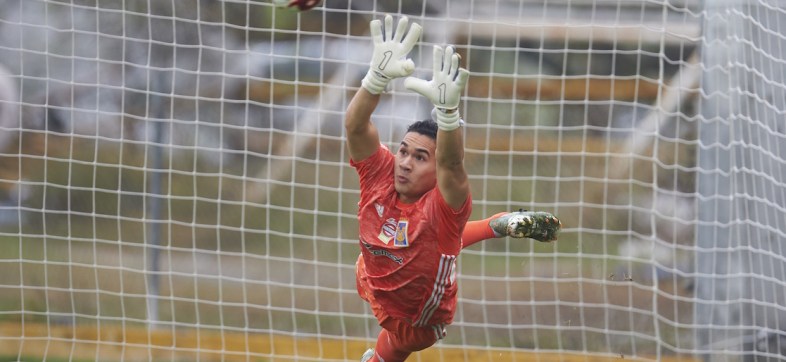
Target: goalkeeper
<point>415,203</point>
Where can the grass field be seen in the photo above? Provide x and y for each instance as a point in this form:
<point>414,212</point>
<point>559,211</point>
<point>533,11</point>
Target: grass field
<point>75,280</point>
<point>113,343</point>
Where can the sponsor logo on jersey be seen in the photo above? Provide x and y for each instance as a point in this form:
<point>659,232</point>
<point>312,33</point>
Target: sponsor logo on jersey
<point>401,234</point>
<point>388,230</point>
<point>382,252</point>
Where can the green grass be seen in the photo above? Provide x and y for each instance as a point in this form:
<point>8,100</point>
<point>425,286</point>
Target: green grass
<point>82,213</point>
<point>6,358</point>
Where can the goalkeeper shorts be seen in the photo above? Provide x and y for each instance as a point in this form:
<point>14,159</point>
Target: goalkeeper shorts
<point>403,336</point>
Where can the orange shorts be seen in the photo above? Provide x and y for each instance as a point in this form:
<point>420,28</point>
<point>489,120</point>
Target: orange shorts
<point>402,335</point>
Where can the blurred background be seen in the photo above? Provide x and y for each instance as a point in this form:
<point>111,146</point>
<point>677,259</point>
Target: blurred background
<point>174,183</point>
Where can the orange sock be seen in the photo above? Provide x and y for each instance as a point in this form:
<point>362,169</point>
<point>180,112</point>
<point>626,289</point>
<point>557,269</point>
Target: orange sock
<point>386,351</point>
<point>478,230</point>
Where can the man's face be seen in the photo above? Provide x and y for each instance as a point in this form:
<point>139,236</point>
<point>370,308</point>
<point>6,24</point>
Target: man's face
<point>416,166</point>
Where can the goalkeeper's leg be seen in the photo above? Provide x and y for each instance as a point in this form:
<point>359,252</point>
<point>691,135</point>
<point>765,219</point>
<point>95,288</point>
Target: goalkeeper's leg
<point>538,225</point>
<point>384,350</point>
<point>398,340</point>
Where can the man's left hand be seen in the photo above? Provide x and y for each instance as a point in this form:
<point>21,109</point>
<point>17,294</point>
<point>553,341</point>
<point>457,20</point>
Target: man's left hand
<point>445,88</point>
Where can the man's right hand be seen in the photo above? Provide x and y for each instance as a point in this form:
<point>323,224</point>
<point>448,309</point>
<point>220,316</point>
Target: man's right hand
<point>390,60</point>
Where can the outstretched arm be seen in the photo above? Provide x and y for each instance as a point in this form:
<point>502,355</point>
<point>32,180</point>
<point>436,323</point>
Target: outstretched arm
<point>362,135</point>
<point>444,91</point>
<point>452,178</point>
<point>387,63</point>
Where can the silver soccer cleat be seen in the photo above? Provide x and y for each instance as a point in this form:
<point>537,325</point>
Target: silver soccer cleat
<point>368,355</point>
<point>538,225</point>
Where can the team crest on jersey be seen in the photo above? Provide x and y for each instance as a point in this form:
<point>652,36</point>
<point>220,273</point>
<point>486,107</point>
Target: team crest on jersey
<point>380,209</point>
<point>401,234</point>
<point>388,230</point>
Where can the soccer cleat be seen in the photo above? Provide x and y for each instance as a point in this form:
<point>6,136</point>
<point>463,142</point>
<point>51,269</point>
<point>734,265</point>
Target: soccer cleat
<point>538,225</point>
<point>368,355</point>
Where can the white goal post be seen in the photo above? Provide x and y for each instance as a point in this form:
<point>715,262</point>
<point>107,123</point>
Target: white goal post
<point>174,183</point>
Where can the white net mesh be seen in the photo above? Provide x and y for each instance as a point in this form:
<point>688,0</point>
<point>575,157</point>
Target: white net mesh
<point>175,184</point>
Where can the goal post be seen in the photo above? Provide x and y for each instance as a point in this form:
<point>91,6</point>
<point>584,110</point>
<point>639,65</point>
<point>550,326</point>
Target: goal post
<point>174,183</point>
<point>740,223</point>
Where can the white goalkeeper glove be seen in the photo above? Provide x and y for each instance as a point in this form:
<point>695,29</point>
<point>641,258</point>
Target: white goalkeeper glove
<point>445,88</point>
<point>390,50</point>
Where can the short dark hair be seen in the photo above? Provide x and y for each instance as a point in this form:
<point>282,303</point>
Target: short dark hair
<point>426,127</point>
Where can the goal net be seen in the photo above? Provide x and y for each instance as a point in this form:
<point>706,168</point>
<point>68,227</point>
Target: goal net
<point>174,183</point>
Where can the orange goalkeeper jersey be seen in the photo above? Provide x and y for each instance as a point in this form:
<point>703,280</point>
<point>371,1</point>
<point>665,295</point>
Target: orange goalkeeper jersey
<point>409,250</point>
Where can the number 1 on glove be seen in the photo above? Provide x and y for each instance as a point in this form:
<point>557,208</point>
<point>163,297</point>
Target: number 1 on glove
<point>390,60</point>
<point>445,88</point>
